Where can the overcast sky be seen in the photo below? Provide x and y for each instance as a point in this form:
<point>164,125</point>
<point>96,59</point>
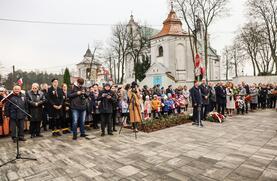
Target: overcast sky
<point>53,47</point>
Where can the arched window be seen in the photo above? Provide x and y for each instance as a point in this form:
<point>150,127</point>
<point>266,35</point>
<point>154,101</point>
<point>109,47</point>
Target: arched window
<point>161,51</point>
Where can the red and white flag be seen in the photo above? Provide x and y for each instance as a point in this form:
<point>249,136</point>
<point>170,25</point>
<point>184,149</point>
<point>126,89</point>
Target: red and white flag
<point>20,81</point>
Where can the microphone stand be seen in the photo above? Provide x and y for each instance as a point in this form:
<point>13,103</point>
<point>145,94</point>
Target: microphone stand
<point>18,155</point>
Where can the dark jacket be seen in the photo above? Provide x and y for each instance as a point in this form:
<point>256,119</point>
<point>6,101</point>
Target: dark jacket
<point>78,102</point>
<point>196,96</point>
<point>220,95</point>
<point>263,93</point>
<point>12,111</point>
<point>106,105</point>
<point>35,110</point>
<point>55,97</point>
<point>169,90</point>
<point>205,91</point>
<point>66,105</point>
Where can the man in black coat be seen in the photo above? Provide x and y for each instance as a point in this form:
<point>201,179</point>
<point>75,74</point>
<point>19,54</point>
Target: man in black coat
<point>169,90</point>
<point>107,99</point>
<point>16,115</point>
<point>35,100</point>
<point>78,97</point>
<point>263,96</point>
<point>205,91</point>
<point>220,91</point>
<point>55,101</point>
<point>94,92</point>
<point>45,108</point>
<point>196,98</point>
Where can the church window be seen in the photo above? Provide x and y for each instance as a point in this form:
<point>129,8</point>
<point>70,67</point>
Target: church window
<point>161,51</point>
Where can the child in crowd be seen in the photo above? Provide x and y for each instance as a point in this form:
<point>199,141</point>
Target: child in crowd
<point>124,111</point>
<point>156,106</point>
<point>240,104</point>
<point>147,108</point>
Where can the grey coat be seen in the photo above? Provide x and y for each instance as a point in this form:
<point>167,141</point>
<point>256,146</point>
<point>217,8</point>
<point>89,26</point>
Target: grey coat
<point>254,95</point>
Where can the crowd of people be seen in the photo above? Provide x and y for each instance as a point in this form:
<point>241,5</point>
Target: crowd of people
<point>63,110</point>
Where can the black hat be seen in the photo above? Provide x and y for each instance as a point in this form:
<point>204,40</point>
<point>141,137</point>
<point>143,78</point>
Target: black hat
<point>107,84</point>
<point>54,79</point>
<point>134,84</point>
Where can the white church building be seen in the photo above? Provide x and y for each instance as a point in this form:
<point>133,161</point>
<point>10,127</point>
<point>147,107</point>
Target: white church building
<point>172,59</point>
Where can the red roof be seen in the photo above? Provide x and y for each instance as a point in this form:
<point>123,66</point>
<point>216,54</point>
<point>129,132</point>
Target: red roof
<point>171,26</point>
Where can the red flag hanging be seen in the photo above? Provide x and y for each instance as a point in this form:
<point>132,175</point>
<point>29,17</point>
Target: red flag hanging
<point>20,82</point>
<point>197,60</point>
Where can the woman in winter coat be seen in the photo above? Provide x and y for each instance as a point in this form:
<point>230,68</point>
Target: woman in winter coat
<point>230,99</point>
<point>134,107</point>
<point>35,100</point>
<point>254,97</point>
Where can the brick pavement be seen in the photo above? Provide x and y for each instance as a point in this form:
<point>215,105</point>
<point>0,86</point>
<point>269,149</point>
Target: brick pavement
<point>242,148</point>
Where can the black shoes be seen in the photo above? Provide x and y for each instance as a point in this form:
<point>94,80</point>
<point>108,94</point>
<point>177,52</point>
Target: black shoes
<point>74,137</point>
<point>114,130</point>
<point>22,139</point>
<point>197,124</point>
<point>83,135</point>
<point>102,134</point>
<point>110,134</point>
<point>55,134</point>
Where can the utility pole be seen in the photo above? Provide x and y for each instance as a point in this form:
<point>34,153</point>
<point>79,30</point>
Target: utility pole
<point>13,77</point>
<point>114,70</point>
<point>110,66</point>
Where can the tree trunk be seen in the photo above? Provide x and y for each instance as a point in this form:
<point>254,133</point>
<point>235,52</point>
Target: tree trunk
<point>118,71</point>
<point>206,52</point>
<point>254,66</point>
<point>122,69</point>
<point>192,50</point>
<point>227,67</point>
<point>275,61</point>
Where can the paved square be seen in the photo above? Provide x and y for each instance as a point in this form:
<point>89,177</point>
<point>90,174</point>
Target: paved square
<point>243,148</point>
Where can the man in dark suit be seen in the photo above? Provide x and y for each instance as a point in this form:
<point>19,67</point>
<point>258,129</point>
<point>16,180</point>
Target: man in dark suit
<point>17,116</point>
<point>205,91</point>
<point>55,100</point>
<point>220,98</point>
<point>196,98</point>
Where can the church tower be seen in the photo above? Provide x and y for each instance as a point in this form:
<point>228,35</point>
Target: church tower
<point>171,57</point>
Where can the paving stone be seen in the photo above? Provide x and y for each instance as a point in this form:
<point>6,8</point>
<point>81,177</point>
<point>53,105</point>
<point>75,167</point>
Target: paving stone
<point>177,175</point>
<point>127,170</point>
<point>273,165</point>
<point>244,148</point>
<point>250,172</point>
<point>218,173</point>
<point>269,175</point>
<point>12,175</point>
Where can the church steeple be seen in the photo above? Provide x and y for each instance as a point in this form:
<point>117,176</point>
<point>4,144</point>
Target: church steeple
<point>172,25</point>
<point>88,52</point>
<point>171,4</point>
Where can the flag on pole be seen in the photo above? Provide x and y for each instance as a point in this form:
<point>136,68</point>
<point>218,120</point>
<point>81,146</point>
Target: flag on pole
<point>20,82</point>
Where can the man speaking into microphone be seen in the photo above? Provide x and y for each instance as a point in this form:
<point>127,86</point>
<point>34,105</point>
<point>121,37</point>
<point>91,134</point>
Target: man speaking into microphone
<point>17,116</point>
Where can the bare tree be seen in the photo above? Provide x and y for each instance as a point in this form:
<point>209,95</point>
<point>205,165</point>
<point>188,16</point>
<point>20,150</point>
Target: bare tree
<point>120,48</point>
<point>226,58</point>
<point>188,10</point>
<point>265,12</point>
<point>265,59</point>
<point>97,47</point>
<point>138,42</point>
<point>237,55</point>
<point>251,40</point>
<point>209,10</point>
